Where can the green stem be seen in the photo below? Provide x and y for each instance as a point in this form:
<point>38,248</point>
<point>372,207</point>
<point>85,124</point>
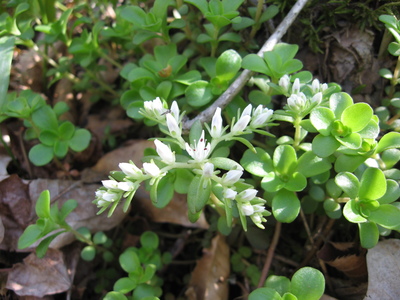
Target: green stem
<point>109,59</point>
<point>297,133</point>
<point>214,42</point>
<point>256,25</point>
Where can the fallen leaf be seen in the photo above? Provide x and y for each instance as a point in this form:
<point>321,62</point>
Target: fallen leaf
<point>209,279</point>
<point>346,258</point>
<point>1,230</point>
<point>383,263</point>
<point>39,277</point>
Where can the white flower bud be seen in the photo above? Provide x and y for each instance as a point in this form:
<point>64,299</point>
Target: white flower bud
<point>208,170</point>
<point>241,124</point>
<point>111,197</point>
<point>151,169</point>
<point>284,83</point>
<point>126,186</point>
<point>175,111</point>
<point>315,86</point>
<point>231,177</point>
<point>164,152</point>
<point>247,209</point>
<point>110,184</point>
<point>248,195</point>
<point>130,170</point>
<point>216,124</point>
<point>173,126</point>
<point>296,86</point>
<point>230,194</point>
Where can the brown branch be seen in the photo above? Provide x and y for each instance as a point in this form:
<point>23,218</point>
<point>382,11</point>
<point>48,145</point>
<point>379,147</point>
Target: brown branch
<point>239,83</point>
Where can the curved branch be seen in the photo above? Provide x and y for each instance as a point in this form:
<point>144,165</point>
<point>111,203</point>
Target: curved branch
<point>240,82</point>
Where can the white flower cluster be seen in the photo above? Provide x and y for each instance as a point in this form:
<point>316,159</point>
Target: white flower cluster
<point>298,102</point>
<point>199,152</point>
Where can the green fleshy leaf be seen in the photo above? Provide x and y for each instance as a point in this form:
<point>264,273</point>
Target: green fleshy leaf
<point>41,155</point>
<point>183,179</point>
<point>348,163</point>
<point>285,206</point>
<point>390,140</point>
<point>351,212</point>
<point>371,131</point>
<point>322,118</point>
<point>352,141</point>
<point>338,102</point>
<point>244,142</point>
<point>392,192</point>
<point>125,285</point>
<point>349,183</point>
<point>357,116</point>
<point>296,183</point>
<point>60,148</point>
<point>149,240</point>
<point>386,215</point>
<point>390,157</point>
<point>42,207</point>
<point>310,164</point>
<point>372,184</point>
<point>66,130</point>
<point>225,163</point>
<point>115,296</point>
<point>162,191</point>
<point>369,234</point>
<point>324,146</point>
<point>285,160</point>
<point>6,54</point>
<point>259,163</point>
<point>30,235</point>
<point>199,194</point>
<point>129,261</point>
<point>67,208</point>
<point>272,183</point>
<point>281,284</point>
<point>199,93</point>
<point>255,63</point>
<point>80,141</point>
<point>228,65</point>
<point>45,118</point>
<point>264,293</point>
<point>308,284</point>
<point>41,249</point>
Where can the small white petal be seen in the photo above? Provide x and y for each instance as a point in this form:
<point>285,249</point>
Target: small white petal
<point>173,126</point>
<point>231,177</point>
<point>248,195</point>
<point>296,86</point>
<point>247,110</point>
<point>216,124</point>
<point>208,170</point>
<point>126,186</point>
<point>247,209</point>
<point>315,86</point>
<point>175,110</point>
<point>110,197</point>
<point>164,152</point>
<point>241,124</point>
<point>110,184</point>
<point>230,194</point>
<point>130,170</point>
<point>284,82</point>
<point>151,169</point>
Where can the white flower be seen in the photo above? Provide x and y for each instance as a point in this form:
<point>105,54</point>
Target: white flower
<point>175,111</point>
<point>258,208</point>
<point>316,99</point>
<point>324,87</point>
<point>241,124</point>
<point>315,86</point>
<point>231,177</point>
<point>200,151</point>
<point>247,195</point>
<point>247,111</point>
<point>130,170</point>
<point>110,184</point>
<point>173,126</point>
<point>127,186</point>
<point>154,109</point>
<point>208,170</point>
<point>216,124</point>
<point>229,194</point>
<point>261,116</point>
<point>100,193</point>
<point>284,83</point>
<point>247,209</point>
<point>297,102</point>
<point>152,169</point>
<point>296,86</point>
<point>111,196</point>
<point>164,152</point>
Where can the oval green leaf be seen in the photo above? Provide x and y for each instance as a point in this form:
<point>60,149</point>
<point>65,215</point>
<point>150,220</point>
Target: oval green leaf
<point>372,184</point>
<point>285,206</point>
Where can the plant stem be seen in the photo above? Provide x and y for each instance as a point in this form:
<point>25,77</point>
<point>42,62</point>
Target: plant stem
<point>256,26</point>
<point>109,59</point>
<point>240,82</point>
<point>270,254</point>
<point>297,133</point>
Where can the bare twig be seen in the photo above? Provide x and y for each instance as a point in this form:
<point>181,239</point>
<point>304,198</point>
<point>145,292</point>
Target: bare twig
<point>270,254</point>
<point>239,83</point>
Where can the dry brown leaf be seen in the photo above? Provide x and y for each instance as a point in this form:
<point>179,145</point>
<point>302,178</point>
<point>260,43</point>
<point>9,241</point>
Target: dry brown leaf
<point>1,230</point>
<point>383,263</point>
<point>346,258</point>
<point>175,212</point>
<point>39,277</point>
<point>209,279</point>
